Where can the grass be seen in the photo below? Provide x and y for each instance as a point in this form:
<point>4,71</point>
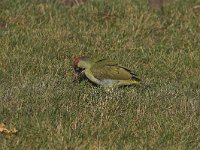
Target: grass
<point>38,97</point>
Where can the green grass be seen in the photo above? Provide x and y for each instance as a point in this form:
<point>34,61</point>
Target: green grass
<point>38,97</point>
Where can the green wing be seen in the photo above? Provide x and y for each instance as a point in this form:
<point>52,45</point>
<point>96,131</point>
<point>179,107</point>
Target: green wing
<point>105,69</point>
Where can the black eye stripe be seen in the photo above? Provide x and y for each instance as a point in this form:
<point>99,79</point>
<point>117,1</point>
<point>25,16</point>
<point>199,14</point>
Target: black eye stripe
<point>78,70</point>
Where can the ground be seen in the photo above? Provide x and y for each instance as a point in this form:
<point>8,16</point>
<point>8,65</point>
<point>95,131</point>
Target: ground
<point>39,41</point>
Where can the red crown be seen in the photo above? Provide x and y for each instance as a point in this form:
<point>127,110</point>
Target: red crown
<point>76,61</point>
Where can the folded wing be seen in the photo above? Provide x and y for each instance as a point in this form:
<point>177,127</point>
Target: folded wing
<point>105,69</point>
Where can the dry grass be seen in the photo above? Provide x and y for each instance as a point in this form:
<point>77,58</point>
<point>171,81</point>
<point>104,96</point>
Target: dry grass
<point>38,97</point>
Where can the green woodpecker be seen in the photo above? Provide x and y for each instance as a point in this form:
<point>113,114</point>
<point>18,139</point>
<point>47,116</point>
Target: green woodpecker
<point>104,72</point>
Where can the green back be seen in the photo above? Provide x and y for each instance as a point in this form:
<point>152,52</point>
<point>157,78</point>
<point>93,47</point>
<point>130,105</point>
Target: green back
<point>106,69</point>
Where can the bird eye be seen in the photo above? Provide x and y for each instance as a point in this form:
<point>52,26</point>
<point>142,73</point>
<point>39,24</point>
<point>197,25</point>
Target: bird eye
<point>78,70</point>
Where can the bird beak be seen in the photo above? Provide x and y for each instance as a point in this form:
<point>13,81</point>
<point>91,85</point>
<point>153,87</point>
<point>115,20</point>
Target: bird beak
<point>79,73</point>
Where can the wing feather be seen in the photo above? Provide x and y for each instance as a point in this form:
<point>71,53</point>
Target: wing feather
<point>105,69</point>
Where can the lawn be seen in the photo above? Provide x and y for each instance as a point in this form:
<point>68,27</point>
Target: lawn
<point>40,39</point>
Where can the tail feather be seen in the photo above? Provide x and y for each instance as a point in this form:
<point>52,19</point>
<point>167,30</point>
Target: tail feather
<point>136,78</point>
<point>134,81</point>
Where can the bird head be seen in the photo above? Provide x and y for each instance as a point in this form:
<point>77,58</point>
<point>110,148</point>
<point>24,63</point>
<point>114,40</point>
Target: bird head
<point>80,64</point>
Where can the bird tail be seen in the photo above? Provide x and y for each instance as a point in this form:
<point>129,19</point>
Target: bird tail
<point>135,80</point>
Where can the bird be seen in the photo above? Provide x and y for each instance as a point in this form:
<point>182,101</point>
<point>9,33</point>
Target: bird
<point>104,72</point>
